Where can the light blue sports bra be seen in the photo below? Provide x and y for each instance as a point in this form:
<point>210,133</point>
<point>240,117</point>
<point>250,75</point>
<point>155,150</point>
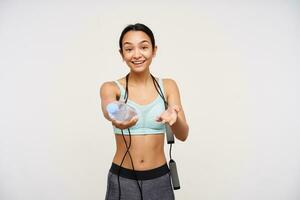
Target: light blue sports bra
<point>146,123</point>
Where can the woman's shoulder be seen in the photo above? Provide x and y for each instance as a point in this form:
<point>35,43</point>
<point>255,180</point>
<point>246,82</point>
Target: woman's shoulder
<point>168,82</point>
<point>109,87</point>
<point>170,85</point>
<point>113,83</point>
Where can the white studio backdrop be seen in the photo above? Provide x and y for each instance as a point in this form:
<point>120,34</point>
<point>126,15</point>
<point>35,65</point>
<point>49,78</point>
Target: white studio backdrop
<point>237,67</point>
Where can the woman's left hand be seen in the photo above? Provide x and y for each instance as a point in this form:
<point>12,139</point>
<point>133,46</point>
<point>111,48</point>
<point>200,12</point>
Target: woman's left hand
<point>169,115</point>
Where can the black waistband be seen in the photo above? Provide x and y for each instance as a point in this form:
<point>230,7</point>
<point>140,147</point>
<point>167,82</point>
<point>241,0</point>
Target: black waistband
<point>140,175</point>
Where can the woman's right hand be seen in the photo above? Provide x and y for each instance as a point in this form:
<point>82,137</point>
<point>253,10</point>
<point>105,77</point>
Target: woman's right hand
<point>125,124</point>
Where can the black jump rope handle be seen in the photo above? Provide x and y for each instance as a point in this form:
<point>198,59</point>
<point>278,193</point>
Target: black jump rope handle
<point>172,163</point>
<point>174,174</point>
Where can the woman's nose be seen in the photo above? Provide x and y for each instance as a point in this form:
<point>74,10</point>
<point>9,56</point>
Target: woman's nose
<point>137,54</point>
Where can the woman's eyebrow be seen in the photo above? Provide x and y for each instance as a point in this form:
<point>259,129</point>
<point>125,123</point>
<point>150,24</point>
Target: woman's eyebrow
<point>144,41</point>
<point>139,42</point>
<point>127,43</point>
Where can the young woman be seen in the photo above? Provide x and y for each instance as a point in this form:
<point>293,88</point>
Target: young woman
<point>139,168</point>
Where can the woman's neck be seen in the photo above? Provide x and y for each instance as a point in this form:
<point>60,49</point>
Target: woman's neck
<point>140,78</point>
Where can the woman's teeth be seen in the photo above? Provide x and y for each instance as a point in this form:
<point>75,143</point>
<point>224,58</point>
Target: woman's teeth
<point>138,62</point>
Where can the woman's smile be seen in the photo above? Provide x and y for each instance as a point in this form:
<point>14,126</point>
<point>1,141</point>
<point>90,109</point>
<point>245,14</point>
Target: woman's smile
<point>138,63</point>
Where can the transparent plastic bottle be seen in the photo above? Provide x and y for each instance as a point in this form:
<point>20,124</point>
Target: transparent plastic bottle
<point>121,111</point>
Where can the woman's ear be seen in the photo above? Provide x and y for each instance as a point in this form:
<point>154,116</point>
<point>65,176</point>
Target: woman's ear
<point>154,51</point>
<point>121,52</point>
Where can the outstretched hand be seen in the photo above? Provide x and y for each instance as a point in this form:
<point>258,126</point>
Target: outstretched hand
<point>169,115</point>
<point>125,124</point>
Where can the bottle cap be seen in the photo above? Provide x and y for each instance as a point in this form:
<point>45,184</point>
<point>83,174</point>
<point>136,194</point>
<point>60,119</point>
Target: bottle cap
<point>112,107</point>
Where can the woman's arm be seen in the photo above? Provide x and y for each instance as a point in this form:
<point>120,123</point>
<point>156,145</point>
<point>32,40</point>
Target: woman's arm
<point>180,127</point>
<point>108,93</point>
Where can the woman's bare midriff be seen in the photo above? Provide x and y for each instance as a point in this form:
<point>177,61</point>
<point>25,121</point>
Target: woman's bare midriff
<point>147,151</point>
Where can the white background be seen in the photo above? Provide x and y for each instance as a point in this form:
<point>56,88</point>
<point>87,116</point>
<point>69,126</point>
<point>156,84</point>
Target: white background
<point>237,67</point>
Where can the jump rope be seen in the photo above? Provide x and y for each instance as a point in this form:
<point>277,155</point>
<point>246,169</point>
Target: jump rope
<point>170,140</point>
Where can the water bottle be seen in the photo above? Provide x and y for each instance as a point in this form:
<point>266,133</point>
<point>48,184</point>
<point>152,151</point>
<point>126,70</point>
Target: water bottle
<point>120,111</point>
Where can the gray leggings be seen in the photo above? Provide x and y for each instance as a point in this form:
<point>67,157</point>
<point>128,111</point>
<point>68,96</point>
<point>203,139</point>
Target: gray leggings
<point>158,188</point>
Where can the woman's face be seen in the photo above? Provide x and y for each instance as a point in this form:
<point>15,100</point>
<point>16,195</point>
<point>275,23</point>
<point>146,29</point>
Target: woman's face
<point>137,50</point>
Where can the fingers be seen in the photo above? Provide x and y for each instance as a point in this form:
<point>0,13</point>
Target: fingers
<point>171,119</point>
<point>125,124</point>
<point>172,122</point>
<point>158,119</point>
<point>164,119</point>
<point>133,121</point>
<point>135,118</point>
<point>177,109</point>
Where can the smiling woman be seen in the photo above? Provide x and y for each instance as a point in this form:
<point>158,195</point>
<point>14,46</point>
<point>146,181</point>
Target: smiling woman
<point>137,51</point>
<point>139,168</point>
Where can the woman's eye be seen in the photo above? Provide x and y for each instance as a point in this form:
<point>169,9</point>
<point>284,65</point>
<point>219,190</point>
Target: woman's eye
<point>144,47</point>
<point>128,49</point>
